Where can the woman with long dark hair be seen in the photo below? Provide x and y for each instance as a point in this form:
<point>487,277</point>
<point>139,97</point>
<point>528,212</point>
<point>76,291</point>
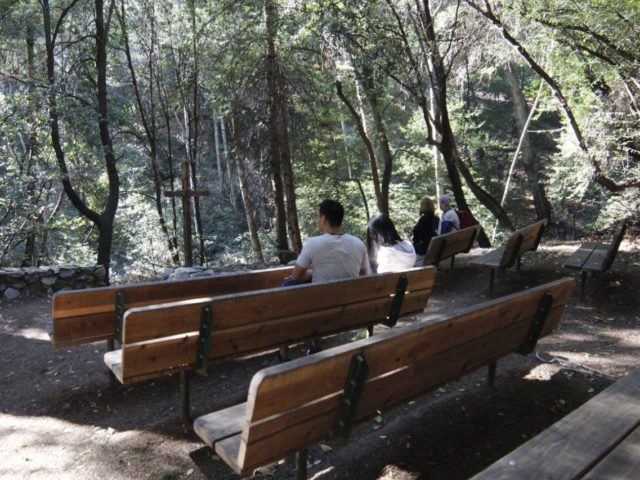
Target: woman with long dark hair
<point>388,252</point>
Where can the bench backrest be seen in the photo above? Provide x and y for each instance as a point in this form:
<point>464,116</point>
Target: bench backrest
<point>521,241</point>
<point>161,338</point>
<point>86,316</point>
<point>612,251</point>
<point>449,244</point>
<point>292,405</point>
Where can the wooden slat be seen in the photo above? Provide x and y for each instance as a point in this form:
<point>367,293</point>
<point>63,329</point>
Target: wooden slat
<point>181,317</point>
<point>615,245</point>
<point>285,416</point>
<point>597,258</point>
<point>144,358</point>
<point>86,316</point>
<point>622,463</point>
<point>426,339</point>
<point>456,242</point>
<point>580,256</point>
<point>273,438</point>
<point>572,446</point>
<point>526,239</point>
<point>531,236</point>
<point>219,425</point>
<point>490,259</point>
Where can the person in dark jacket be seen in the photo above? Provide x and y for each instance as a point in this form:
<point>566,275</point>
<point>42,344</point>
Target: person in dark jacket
<point>425,229</point>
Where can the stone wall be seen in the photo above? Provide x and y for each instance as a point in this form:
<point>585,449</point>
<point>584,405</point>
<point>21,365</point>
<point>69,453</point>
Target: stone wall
<point>21,282</point>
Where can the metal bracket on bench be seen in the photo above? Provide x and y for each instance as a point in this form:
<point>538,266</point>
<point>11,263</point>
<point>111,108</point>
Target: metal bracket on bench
<point>119,314</point>
<point>203,340</point>
<point>396,303</point>
<point>537,325</point>
<point>353,387</point>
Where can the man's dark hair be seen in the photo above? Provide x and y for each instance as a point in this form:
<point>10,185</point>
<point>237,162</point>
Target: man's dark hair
<point>333,211</point>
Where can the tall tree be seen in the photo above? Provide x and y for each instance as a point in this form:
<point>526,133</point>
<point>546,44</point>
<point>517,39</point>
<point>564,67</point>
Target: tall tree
<point>280,151</point>
<point>103,220</point>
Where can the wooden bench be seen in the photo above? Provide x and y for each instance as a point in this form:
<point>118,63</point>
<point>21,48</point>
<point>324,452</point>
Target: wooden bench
<point>600,439</point>
<point>450,244</point>
<point>519,242</point>
<point>595,257</point>
<point>186,335</point>
<point>95,314</point>
<point>293,405</point>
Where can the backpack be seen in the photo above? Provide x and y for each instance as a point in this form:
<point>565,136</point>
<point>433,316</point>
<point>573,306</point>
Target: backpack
<point>466,220</point>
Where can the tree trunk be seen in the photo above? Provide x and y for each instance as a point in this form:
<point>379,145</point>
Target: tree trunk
<point>447,146</point>
<point>381,140</point>
<point>275,151</point>
<point>360,127</point>
<point>245,192</point>
<point>228,165</point>
<point>30,257</point>
<point>530,161</point>
<point>103,221</point>
<point>105,227</point>
<point>149,126</point>
<point>216,141</point>
<point>278,125</point>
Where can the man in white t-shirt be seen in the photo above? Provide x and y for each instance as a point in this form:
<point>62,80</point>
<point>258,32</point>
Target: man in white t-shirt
<point>333,255</point>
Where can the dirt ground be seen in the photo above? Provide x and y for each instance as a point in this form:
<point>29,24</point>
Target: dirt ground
<point>60,417</point>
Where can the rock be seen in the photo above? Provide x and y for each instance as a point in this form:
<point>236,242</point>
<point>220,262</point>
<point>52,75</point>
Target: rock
<point>100,271</point>
<point>66,273</point>
<point>18,285</point>
<point>204,273</point>
<point>48,281</point>
<point>11,294</point>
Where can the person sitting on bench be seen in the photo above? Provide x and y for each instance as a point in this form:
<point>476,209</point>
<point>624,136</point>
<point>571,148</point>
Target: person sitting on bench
<point>425,229</point>
<point>449,221</point>
<point>387,251</point>
<point>333,255</point>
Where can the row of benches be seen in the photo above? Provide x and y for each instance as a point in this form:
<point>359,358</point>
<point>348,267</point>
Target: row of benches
<point>168,327</point>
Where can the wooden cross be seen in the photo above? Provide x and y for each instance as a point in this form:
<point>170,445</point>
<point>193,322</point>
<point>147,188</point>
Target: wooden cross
<point>186,194</point>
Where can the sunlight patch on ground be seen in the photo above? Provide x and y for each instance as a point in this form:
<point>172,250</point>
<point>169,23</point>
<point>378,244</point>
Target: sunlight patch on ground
<point>322,473</point>
<point>575,337</point>
<point>32,334</point>
<point>38,447</point>
<point>42,447</point>
<point>541,373</point>
<point>395,472</point>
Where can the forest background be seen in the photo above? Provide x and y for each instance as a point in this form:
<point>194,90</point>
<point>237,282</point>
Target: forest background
<point>523,109</point>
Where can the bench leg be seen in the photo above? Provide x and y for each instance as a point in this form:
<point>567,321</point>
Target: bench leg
<point>491,280</point>
<point>185,390</point>
<point>301,464</point>
<point>453,259</point>
<point>583,281</point>
<point>491,374</point>
<point>369,331</point>
<point>110,345</point>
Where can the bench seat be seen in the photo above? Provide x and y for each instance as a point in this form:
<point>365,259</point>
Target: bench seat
<point>292,405</point>
<point>519,242</point>
<point>599,440</point>
<point>595,257</point>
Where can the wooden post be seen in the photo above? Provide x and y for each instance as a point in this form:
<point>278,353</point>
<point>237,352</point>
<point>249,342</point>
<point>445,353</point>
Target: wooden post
<point>186,194</point>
